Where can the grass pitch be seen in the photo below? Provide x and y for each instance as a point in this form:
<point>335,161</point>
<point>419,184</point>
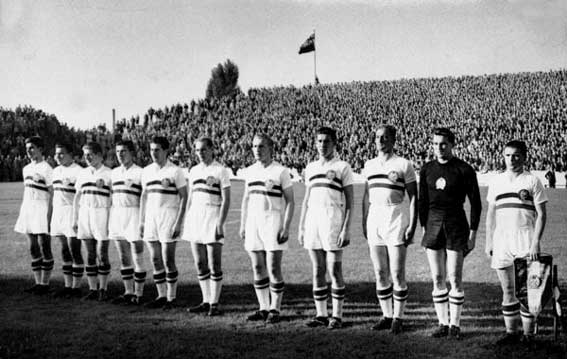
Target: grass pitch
<point>34,327</point>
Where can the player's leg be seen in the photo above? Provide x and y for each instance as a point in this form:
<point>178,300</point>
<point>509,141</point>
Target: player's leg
<point>277,285</point>
<point>67,267</point>
<point>47,263</point>
<point>78,265</point>
<point>320,291</point>
<point>155,249</point>
<point>201,261</point>
<point>214,253</point>
<point>103,269</point>
<point>171,274</point>
<point>510,306</point>
<point>437,259</point>
<point>456,295</point>
<point>335,265</point>
<point>137,249</point>
<point>126,271</point>
<point>261,284</point>
<point>398,270</point>
<point>36,262</point>
<point>91,269</point>
<point>384,290</point>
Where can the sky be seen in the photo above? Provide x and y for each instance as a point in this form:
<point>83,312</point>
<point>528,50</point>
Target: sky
<point>79,59</point>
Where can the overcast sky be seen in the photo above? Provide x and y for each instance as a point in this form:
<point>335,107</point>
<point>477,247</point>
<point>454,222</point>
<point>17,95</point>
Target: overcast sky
<point>78,59</point>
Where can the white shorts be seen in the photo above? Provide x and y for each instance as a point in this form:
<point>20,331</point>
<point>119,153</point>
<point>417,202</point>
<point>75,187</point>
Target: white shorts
<point>261,231</point>
<point>93,223</point>
<point>386,225</point>
<point>124,223</point>
<point>200,224</point>
<point>158,224</point>
<point>508,244</point>
<point>33,218</point>
<point>322,228</point>
<point>62,222</point>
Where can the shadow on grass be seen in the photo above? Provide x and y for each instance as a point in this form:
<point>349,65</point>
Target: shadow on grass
<point>34,327</point>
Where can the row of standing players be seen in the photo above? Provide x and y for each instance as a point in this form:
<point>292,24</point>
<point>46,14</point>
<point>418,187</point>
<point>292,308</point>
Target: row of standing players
<point>132,205</point>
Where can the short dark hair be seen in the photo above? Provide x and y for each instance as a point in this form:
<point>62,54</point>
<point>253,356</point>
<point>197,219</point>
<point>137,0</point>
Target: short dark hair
<point>162,141</point>
<point>389,129</point>
<point>262,136</point>
<point>207,141</point>
<point>93,146</point>
<point>329,132</point>
<point>126,143</point>
<point>65,145</point>
<point>35,140</point>
<point>445,132</point>
<point>519,145</point>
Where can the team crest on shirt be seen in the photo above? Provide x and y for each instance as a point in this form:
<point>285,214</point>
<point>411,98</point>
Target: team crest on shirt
<point>165,182</point>
<point>99,183</point>
<point>37,177</point>
<point>440,183</point>
<point>523,194</point>
<point>331,175</point>
<point>269,184</point>
<point>66,181</point>
<point>534,281</point>
<point>128,182</point>
<point>211,181</point>
<point>393,176</point>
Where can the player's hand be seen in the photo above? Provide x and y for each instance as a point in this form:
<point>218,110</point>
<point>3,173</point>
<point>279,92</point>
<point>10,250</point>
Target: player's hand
<point>141,228</point>
<point>300,237</point>
<point>343,240</point>
<point>75,227</point>
<point>533,254</point>
<point>176,230</point>
<point>241,232</point>
<point>471,242</point>
<point>365,232</point>
<point>283,236</point>
<point>408,236</point>
<point>488,251</point>
<point>219,232</point>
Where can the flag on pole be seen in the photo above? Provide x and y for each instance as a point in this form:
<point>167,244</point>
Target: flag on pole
<point>308,45</point>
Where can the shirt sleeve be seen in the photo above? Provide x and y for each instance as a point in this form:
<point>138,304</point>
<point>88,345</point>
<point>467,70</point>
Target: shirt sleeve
<point>348,178</point>
<point>224,178</point>
<point>423,197</point>
<point>285,179</point>
<point>409,173</point>
<point>473,193</point>
<point>540,196</point>
<point>179,179</point>
<point>48,175</point>
<point>491,194</point>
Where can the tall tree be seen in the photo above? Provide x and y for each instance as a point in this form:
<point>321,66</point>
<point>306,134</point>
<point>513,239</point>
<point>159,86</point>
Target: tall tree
<point>224,81</point>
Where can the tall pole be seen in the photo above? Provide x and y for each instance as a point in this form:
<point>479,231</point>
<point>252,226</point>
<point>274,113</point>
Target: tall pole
<point>315,57</point>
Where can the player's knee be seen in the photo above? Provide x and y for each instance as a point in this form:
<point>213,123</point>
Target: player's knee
<point>259,269</point>
<point>66,254</point>
<point>399,278</point>
<point>337,271</point>
<point>382,275</point>
<point>170,267</point>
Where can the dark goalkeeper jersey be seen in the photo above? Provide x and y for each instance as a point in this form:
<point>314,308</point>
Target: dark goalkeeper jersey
<point>442,191</point>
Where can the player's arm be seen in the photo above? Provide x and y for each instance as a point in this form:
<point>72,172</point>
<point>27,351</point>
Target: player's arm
<point>225,204</point>
<point>473,193</point>
<point>244,212</point>
<point>283,236</point>
<point>413,208</point>
<point>49,204</point>
<point>304,208</point>
<point>76,201</point>
<point>365,209</point>
<point>541,219</point>
<point>143,199</point>
<point>490,225</point>
<point>344,236</point>
<point>423,202</point>
<point>182,192</point>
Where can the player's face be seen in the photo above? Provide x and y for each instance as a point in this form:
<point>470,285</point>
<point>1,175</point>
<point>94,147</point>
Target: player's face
<point>514,159</point>
<point>203,152</point>
<point>261,150</point>
<point>384,141</point>
<point>159,155</point>
<point>442,148</point>
<point>92,159</point>
<point>124,156</point>
<point>325,146</point>
<point>33,152</point>
<point>62,157</point>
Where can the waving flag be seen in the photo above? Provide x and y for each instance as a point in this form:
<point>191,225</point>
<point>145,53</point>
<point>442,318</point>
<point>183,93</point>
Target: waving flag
<point>308,45</point>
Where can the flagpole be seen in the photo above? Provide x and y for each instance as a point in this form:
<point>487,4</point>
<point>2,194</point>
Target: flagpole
<point>315,57</point>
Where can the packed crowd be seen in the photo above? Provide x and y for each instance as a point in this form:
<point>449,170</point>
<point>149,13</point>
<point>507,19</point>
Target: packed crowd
<point>484,112</point>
